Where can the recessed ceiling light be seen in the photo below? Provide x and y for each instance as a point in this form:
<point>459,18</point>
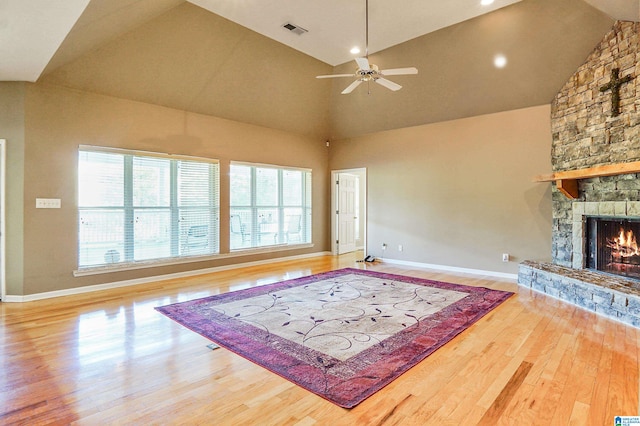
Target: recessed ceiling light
<point>486,2</point>
<point>355,50</point>
<point>500,61</point>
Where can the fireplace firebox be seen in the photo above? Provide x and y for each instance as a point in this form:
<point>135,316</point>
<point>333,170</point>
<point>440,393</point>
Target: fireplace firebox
<point>612,247</point>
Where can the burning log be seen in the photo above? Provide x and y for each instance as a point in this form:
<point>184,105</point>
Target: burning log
<point>625,245</point>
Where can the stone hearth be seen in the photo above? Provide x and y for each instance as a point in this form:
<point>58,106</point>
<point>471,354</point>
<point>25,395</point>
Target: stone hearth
<point>614,297</point>
<point>586,134</point>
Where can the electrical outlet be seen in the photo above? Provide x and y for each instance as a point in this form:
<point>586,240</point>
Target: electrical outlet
<point>399,247</point>
<point>384,246</point>
<point>47,203</point>
<point>505,257</point>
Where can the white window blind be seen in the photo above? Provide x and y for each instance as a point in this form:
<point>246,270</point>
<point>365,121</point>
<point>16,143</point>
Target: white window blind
<point>139,207</point>
<point>269,206</point>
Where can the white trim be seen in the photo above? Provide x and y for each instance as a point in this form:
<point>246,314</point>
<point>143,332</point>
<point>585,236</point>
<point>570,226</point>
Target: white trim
<point>451,268</point>
<point>363,208</point>
<point>126,283</point>
<point>3,227</point>
<point>180,261</point>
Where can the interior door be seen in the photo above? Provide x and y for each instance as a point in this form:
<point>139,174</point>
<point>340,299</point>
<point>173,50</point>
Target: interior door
<point>347,214</point>
<point>3,151</point>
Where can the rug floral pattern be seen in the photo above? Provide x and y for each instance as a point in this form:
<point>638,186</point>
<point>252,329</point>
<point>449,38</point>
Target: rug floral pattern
<point>343,334</point>
<point>339,316</point>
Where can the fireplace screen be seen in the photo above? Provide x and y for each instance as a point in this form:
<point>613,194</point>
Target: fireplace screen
<point>612,246</point>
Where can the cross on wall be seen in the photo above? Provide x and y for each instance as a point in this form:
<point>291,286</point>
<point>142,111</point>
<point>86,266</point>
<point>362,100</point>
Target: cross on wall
<point>614,85</point>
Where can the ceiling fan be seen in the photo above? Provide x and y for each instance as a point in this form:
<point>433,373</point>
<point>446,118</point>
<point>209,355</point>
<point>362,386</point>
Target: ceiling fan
<point>370,72</point>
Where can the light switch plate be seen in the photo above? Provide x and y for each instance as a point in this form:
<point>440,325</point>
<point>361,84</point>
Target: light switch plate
<point>48,203</point>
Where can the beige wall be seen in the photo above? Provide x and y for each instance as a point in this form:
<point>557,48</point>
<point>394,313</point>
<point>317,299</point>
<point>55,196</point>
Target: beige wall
<point>453,193</point>
<point>544,41</point>
<point>457,193</point>
<point>57,120</point>
<point>12,129</point>
<point>193,60</point>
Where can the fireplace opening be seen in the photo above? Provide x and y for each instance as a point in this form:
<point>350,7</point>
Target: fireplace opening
<point>612,246</point>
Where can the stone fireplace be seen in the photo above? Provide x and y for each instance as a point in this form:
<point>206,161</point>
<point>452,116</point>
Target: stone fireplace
<point>595,124</point>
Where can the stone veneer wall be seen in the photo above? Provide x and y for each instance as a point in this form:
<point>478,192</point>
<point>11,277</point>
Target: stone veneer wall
<point>585,135</point>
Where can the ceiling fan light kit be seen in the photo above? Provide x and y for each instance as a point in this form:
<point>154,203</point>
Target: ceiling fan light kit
<point>370,72</point>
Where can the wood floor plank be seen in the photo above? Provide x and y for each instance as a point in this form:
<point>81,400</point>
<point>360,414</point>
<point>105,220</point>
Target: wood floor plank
<point>109,358</point>
<point>622,392</point>
<point>577,383</point>
<point>552,401</point>
<point>506,395</point>
<point>579,414</point>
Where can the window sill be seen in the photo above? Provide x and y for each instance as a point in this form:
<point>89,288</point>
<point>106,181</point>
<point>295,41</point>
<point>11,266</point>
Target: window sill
<point>180,261</point>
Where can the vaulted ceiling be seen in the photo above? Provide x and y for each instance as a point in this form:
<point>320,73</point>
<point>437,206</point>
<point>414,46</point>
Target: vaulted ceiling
<point>200,56</point>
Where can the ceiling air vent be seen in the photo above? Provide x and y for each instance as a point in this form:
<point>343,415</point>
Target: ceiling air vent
<point>295,29</point>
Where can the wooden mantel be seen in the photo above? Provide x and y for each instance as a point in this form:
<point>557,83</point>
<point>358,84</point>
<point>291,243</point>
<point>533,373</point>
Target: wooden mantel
<point>567,181</point>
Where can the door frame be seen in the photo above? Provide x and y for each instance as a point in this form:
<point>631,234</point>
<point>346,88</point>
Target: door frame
<point>3,228</point>
<point>334,204</point>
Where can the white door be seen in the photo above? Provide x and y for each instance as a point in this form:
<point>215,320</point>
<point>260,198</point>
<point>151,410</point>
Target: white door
<point>3,150</point>
<point>347,214</point>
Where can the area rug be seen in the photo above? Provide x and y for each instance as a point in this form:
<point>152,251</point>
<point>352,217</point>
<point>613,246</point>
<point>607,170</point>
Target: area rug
<point>342,334</point>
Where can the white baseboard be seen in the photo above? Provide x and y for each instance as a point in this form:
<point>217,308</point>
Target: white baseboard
<point>126,283</point>
<point>451,268</point>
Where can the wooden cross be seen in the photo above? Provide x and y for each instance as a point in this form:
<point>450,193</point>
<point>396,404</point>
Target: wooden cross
<point>614,85</point>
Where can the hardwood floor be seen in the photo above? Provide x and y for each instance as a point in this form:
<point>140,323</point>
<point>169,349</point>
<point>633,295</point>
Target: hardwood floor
<point>109,358</point>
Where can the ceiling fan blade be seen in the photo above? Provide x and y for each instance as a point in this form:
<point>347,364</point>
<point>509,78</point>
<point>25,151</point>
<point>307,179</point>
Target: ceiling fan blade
<point>335,75</point>
<point>363,64</point>
<point>400,71</point>
<point>388,84</point>
<point>352,86</point>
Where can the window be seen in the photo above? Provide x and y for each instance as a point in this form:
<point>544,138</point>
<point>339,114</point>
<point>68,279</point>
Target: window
<point>269,206</point>
<point>140,207</point>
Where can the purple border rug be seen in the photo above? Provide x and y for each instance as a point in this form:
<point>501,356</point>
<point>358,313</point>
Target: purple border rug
<point>342,335</point>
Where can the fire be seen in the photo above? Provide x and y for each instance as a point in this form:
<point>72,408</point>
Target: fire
<point>624,245</point>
